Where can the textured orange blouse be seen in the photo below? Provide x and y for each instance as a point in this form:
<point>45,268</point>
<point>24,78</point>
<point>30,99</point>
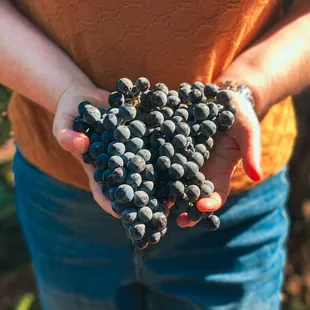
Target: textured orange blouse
<point>170,41</point>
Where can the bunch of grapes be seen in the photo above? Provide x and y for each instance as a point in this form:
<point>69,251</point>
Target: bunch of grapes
<point>148,147</point>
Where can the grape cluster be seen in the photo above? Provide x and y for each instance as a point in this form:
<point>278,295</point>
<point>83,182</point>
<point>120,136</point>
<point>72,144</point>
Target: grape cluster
<point>148,147</point>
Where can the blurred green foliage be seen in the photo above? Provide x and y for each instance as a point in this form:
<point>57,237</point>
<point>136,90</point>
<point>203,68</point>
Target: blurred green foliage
<point>5,128</point>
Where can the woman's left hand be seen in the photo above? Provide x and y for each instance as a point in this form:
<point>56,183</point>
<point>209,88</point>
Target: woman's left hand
<point>241,142</point>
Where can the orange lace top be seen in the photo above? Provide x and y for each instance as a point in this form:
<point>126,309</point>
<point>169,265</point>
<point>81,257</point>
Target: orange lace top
<point>170,41</point>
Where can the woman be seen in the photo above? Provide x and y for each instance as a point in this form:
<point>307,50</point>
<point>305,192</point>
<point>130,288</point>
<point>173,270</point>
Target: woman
<point>55,54</point>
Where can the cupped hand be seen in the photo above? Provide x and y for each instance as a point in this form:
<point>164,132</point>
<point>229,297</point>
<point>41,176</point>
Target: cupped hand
<point>241,142</point>
<point>78,143</point>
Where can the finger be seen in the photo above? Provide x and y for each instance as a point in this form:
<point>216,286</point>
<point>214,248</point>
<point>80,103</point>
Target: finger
<point>68,139</point>
<point>102,201</point>
<point>72,141</point>
<point>96,189</point>
<point>247,133</point>
<point>183,221</point>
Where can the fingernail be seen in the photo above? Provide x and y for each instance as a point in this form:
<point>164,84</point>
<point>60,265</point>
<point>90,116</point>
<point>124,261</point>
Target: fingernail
<point>79,144</point>
<point>260,174</point>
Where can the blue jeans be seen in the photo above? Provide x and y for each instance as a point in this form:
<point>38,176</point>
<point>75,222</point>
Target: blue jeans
<point>83,260</point>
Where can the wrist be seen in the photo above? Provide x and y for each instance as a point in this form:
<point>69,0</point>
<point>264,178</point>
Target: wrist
<point>244,72</point>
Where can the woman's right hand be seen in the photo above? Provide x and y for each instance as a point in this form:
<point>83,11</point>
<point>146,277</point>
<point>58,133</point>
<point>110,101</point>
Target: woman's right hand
<point>78,143</point>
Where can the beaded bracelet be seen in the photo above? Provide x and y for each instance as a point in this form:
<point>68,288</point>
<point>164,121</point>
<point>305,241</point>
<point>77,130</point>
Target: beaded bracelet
<point>240,88</point>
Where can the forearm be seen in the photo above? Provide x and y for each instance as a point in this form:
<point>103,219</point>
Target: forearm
<point>278,65</point>
<point>31,64</point>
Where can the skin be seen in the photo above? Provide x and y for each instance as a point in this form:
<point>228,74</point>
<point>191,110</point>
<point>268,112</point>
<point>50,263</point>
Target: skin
<point>272,76</point>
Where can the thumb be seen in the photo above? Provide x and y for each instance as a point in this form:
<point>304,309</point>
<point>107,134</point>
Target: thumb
<point>247,134</point>
<point>68,139</point>
<point>66,112</point>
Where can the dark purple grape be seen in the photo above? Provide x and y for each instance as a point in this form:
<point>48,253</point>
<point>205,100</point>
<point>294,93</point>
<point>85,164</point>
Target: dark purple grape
<point>226,119</point>
<point>173,101</point>
<point>145,154</point>
<point>179,141</point>
<point>183,113</point>
<point>192,192</point>
<point>213,110</point>
<point>208,128</point>
<point>148,187</point>
<point>124,193</point>
<point>161,87</point>
<point>205,190</point>
<point>149,173</point>
<point>141,199</point>
<point>137,128</point>
<point>184,93</point>
<point>159,221</point>
<point>102,160</point>
<point>231,108</point>
<point>198,85</point>
<point>136,164</point>
<point>116,99</point>
<point>212,222</point>
<point>176,188</point>
<point>107,136</point>
<point>91,114</point>
<point>126,156</point>
<point>142,84</point>
<point>136,231</point>
<point>134,180</point>
<point>224,97</point>
<point>198,159</point>
<point>190,169</point>
<point>166,149</point>
<point>172,93</point>
<point>167,128</point>
<point>82,107</point>
<point>116,148</point>
<point>183,129</point>
<point>153,237</point>
<point>124,86</point>
<point>122,133</point>
<point>194,128</point>
<point>98,176</point>
<point>163,163</point>
<point>155,118</point>
<point>80,125</point>
<point>167,113</point>
<point>145,215</point>
<point>159,99</point>
<point>110,122</point>
<point>201,111</point>
<point>119,175</point>
<point>115,162</point>
<point>211,90</point>
<point>178,158</point>
<point>176,171</point>
<point>195,96</point>
<point>117,207</point>
<point>129,216</point>
<point>134,145</point>
<point>127,112</point>
<point>153,204</point>
<point>97,148</point>
<point>198,179</point>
